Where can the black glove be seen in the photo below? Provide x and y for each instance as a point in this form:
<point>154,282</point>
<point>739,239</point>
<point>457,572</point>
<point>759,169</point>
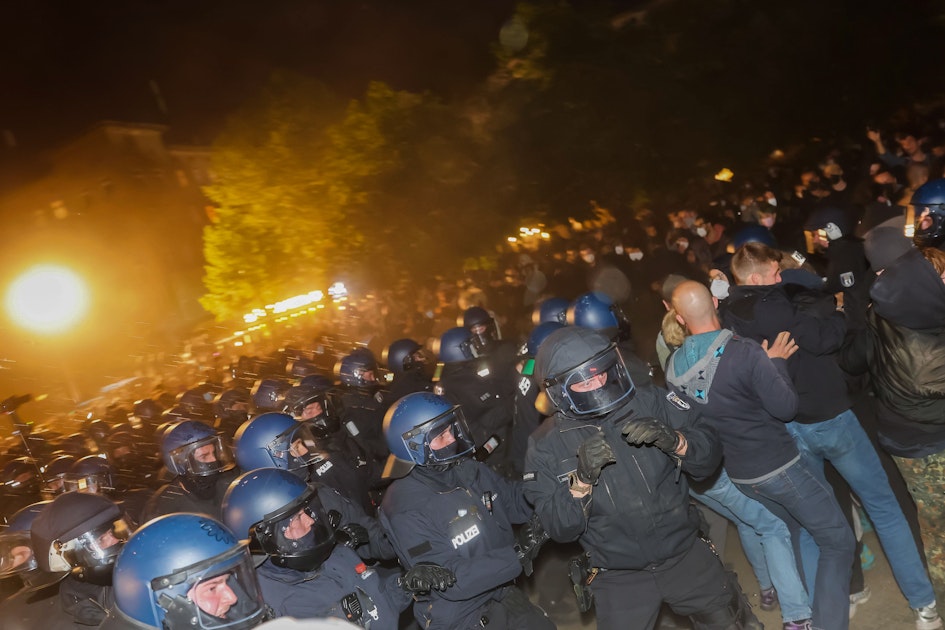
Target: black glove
<point>651,431</point>
<point>426,576</point>
<point>352,535</point>
<point>593,454</point>
<point>528,541</point>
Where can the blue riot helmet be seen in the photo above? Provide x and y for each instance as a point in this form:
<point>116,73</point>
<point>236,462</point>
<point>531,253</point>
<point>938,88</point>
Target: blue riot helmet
<point>275,440</point>
<point>358,370</point>
<point>282,515</point>
<point>582,372</point>
<point>193,449</point>
<point>20,477</point>
<point>233,403</point>
<point>268,394</point>
<point>82,532</point>
<point>91,474</point>
<point>187,571</point>
<point>482,329</point>
<point>454,346</point>
<point>928,203</point>
<point>402,356</point>
<point>301,367</point>
<point>425,429</point>
<point>148,411</point>
<point>753,234</point>
<point>16,550</point>
<point>553,309</point>
<point>539,334</point>
<point>597,311</point>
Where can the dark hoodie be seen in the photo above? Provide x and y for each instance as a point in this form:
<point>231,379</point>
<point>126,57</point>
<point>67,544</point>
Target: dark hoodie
<point>904,352</point>
<point>762,312</point>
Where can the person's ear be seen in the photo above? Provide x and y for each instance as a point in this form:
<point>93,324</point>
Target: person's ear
<point>681,321</point>
<point>715,302</point>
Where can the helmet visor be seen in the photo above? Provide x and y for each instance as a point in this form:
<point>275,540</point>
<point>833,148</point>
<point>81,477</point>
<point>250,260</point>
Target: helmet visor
<point>98,547</point>
<point>299,536</point>
<point>296,447</point>
<point>16,553</point>
<point>203,457</point>
<point>95,483</point>
<point>442,439</point>
<point>593,387</point>
<point>221,592</point>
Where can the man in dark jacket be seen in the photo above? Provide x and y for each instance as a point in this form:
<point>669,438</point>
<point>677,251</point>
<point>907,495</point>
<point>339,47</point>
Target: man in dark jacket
<point>605,471</point>
<point>825,427</point>
<point>747,397</point>
<point>904,352</point>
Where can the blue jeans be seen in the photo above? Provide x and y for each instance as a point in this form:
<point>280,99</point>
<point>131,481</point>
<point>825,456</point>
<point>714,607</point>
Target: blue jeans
<point>766,542</point>
<point>843,443</point>
<point>802,500</point>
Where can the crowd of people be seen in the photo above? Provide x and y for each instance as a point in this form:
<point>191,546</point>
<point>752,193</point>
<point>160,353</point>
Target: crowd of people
<point>430,463</point>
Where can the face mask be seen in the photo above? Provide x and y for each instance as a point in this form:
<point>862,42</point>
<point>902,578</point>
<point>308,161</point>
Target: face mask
<point>701,231</point>
<point>618,250</point>
<point>768,222</point>
<point>588,258</point>
<point>719,288</point>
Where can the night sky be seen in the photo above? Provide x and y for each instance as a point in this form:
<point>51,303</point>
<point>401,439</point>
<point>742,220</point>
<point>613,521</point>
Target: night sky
<point>70,63</point>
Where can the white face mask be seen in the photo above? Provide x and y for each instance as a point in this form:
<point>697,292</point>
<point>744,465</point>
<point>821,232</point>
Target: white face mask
<point>767,221</point>
<point>618,250</point>
<point>719,288</point>
<point>701,231</point>
<point>588,258</point>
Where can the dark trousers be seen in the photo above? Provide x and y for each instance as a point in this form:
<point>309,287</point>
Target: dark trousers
<point>693,584</point>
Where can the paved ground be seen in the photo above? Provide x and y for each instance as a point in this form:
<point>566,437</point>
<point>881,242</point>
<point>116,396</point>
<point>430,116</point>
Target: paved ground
<point>886,609</point>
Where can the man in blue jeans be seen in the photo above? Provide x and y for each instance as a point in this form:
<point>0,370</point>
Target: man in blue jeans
<point>744,391</point>
<point>766,542</point>
<point>825,428</point>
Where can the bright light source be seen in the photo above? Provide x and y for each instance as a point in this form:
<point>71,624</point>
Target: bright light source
<point>545,235</point>
<point>725,175</point>
<point>512,239</point>
<point>47,299</point>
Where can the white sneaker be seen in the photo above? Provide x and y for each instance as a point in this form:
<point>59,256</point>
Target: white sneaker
<point>926,618</point>
<point>859,598</point>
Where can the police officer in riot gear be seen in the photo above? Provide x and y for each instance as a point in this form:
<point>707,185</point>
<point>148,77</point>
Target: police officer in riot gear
<point>450,510</point>
<point>276,440</point>
<point>78,537</point>
<point>362,402</point>
<point>184,571</point>
<point>313,568</point>
<point>409,365</point>
<point>483,384</point>
<point>202,466</point>
<point>605,471</point>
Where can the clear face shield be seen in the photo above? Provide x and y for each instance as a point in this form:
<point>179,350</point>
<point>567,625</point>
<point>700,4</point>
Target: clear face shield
<point>94,550</point>
<point>16,554</point>
<point>298,536</point>
<point>97,483</point>
<point>296,447</point>
<point>481,337</point>
<point>53,487</point>
<point>203,457</point>
<point>221,592</point>
<point>444,439</point>
<point>592,388</point>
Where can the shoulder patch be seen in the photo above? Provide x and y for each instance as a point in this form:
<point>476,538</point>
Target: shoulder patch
<point>677,402</point>
<point>419,550</point>
<point>529,476</point>
<point>847,279</point>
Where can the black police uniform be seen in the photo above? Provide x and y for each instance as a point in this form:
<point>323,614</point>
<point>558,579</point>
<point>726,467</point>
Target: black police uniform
<point>363,418</point>
<point>461,518</point>
<point>184,494</point>
<point>637,525</point>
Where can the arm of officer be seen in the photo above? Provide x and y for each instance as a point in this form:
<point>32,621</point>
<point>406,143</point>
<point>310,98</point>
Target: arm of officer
<point>699,449</point>
<point>416,535</point>
<point>563,509</point>
<point>378,546</point>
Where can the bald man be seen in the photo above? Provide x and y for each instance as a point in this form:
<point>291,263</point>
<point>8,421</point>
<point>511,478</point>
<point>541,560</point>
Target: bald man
<point>743,389</point>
